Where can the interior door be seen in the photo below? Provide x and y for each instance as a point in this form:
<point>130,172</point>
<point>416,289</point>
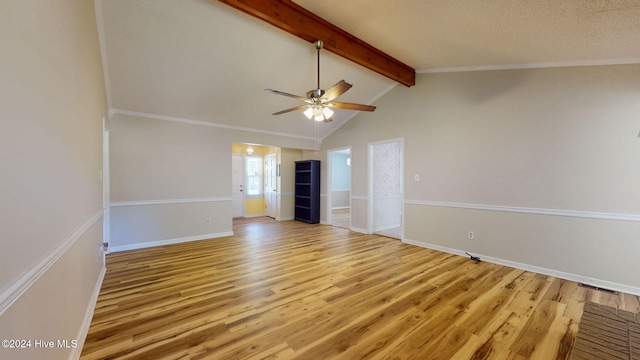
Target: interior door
<point>237,186</point>
<point>270,187</point>
<point>386,188</point>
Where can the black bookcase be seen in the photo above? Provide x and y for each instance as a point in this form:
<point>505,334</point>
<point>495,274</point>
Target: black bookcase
<point>308,191</point>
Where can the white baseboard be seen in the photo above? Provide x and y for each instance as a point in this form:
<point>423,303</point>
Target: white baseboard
<point>288,218</point>
<point>149,244</point>
<point>254,216</point>
<point>537,269</point>
<point>340,207</point>
<point>388,227</point>
<point>358,230</point>
<point>88,316</point>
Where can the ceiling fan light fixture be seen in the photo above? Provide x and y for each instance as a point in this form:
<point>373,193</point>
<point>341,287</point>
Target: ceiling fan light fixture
<point>309,113</point>
<point>318,113</point>
<point>328,113</point>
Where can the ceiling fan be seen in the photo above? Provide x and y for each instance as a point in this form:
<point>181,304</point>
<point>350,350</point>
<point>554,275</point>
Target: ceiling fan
<point>319,102</point>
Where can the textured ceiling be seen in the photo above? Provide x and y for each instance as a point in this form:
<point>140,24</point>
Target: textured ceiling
<point>202,60</point>
<point>433,34</point>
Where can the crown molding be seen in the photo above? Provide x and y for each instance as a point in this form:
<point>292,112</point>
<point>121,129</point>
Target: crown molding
<point>556,64</point>
<point>114,111</point>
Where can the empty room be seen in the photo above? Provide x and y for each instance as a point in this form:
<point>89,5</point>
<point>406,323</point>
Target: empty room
<point>205,179</point>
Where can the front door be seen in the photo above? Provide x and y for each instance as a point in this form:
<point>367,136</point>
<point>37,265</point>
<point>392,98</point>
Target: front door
<point>237,186</point>
<point>270,187</point>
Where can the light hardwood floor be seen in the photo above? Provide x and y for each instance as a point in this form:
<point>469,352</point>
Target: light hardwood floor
<point>341,218</point>
<point>283,290</point>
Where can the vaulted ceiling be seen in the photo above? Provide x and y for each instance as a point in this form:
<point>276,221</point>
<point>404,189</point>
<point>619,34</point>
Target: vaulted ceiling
<point>202,60</point>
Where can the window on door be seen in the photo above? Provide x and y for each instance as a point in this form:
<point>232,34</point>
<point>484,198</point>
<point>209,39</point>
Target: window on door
<point>254,176</point>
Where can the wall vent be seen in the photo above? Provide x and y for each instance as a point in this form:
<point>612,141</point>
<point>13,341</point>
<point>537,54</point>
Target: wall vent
<point>597,288</point>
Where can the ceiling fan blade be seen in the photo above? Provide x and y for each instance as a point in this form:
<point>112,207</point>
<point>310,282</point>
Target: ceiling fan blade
<point>285,94</point>
<point>336,90</point>
<point>292,109</point>
<point>350,106</point>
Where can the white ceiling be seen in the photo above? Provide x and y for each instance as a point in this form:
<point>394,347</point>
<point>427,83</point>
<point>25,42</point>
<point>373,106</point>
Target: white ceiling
<point>205,61</point>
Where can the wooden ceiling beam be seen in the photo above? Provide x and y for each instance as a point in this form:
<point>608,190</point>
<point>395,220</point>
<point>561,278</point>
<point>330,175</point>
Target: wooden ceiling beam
<point>302,23</point>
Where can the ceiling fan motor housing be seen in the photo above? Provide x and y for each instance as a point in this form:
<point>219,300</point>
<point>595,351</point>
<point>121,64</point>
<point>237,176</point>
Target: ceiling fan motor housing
<point>317,93</point>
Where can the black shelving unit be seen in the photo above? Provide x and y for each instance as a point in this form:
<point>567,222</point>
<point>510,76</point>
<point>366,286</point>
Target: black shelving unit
<point>307,191</point>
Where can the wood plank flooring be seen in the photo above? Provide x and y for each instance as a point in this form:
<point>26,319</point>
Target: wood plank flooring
<point>288,290</point>
<point>341,218</point>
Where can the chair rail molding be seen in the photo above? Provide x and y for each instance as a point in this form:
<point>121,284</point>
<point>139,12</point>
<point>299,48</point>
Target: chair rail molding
<point>24,282</point>
<point>525,210</point>
<point>169,201</point>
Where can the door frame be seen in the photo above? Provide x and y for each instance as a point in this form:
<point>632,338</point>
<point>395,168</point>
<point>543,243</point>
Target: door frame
<point>106,188</point>
<point>329,211</point>
<point>370,215</point>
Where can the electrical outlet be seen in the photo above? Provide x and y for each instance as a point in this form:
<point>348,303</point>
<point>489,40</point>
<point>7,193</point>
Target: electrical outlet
<point>471,235</point>
<point>207,221</point>
<point>416,177</point>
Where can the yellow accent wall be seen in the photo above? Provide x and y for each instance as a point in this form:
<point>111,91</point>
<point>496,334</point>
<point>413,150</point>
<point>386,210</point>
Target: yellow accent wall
<point>254,206</point>
<point>241,149</point>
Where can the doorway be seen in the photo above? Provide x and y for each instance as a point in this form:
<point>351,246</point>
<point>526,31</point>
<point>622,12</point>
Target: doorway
<point>386,188</point>
<point>339,187</point>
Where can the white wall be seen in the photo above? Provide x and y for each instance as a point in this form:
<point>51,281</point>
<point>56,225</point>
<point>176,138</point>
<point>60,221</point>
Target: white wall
<point>52,101</point>
<point>169,176</point>
<point>541,164</point>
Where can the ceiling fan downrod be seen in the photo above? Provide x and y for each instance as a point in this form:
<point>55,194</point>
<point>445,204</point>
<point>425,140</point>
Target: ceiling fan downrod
<point>317,92</point>
<point>319,45</point>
